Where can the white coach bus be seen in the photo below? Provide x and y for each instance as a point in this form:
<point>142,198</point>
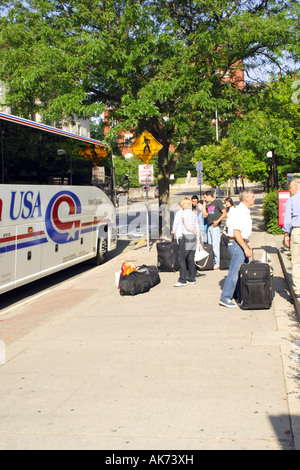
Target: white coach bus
<point>47,228</point>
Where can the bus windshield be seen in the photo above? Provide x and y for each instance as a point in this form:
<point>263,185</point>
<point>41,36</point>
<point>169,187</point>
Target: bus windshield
<point>34,153</point>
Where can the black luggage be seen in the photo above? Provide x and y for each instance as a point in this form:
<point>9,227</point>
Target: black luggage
<point>152,272</point>
<point>225,256</point>
<point>139,281</point>
<point>256,284</point>
<point>206,264</point>
<point>167,256</point>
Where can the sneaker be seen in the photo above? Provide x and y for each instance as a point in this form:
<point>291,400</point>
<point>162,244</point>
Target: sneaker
<point>227,303</point>
<point>179,284</point>
<point>216,266</point>
<point>191,282</point>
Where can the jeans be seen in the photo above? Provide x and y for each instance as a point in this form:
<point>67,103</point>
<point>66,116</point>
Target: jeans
<point>186,259</point>
<point>203,236</point>
<point>232,280</point>
<point>213,238</point>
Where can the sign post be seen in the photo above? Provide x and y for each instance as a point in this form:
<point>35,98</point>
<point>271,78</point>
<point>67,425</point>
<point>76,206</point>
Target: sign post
<point>145,147</point>
<point>199,168</point>
<point>146,177</point>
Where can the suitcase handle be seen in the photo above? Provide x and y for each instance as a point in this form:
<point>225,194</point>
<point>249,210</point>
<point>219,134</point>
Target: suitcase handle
<point>256,249</point>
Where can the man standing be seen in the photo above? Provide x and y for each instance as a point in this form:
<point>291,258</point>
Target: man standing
<point>238,246</point>
<point>215,212</point>
<point>291,228</point>
<point>194,203</point>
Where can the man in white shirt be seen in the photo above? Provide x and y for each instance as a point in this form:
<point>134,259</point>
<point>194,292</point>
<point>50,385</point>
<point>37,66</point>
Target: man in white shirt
<point>291,228</point>
<point>238,246</point>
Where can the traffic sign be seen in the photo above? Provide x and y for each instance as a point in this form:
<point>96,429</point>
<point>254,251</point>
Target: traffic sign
<point>95,153</point>
<point>98,174</point>
<point>146,175</point>
<point>145,146</point>
<point>200,178</point>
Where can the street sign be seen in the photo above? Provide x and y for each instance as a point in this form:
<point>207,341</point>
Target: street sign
<point>95,153</point>
<point>98,174</point>
<point>146,175</point>
<point>146,178</point>
<point>199,166</point>
<point>145,146</point>
<point>200,178</point>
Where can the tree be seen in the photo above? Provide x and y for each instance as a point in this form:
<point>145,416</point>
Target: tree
<point>220,162</point>
<point>270,121</point>
<point>160,65</point>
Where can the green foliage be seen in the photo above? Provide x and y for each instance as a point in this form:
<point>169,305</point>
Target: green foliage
<point>270,121</point>
<point>270,213</point>
<point>220,162</point>
<point>128,166</point>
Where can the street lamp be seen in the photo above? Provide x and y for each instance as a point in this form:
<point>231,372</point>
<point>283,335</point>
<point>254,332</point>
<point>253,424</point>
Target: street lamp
<point>217,139</point>
<point>273,164</point>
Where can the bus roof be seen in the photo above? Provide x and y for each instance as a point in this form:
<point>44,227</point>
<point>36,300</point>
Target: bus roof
<point>53,130</point>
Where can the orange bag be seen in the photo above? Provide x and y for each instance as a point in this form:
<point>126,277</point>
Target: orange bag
<point>127,268</point>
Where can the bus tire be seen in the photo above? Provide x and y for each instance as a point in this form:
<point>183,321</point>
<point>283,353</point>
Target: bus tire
<point>101,251</point>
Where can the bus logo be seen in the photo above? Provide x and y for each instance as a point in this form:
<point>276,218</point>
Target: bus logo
<point>63,231</point>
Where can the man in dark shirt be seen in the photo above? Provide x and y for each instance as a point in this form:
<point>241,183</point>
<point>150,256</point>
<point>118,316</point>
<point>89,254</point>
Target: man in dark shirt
<point>215,213</point>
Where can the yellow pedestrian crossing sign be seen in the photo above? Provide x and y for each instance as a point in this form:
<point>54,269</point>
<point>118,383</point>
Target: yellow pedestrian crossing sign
<point>145,147</point>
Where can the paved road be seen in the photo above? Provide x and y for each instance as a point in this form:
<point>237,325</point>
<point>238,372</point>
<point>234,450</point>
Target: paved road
<point>88,369</point>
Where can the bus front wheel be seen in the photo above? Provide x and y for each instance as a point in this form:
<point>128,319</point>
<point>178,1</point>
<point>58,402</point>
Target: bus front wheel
<point>101,251</point>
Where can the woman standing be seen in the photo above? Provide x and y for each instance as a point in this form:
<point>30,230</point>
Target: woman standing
<point>190,232</point>
<point>230,207</point>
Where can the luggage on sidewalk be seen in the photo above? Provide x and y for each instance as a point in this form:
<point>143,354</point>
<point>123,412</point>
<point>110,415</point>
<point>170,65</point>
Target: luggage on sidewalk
<point>139,281</point>
<point>256,284</point>
<point>152,272</point>
<point>225,256</point>
<point>167,256</point>
<point>207,263</point>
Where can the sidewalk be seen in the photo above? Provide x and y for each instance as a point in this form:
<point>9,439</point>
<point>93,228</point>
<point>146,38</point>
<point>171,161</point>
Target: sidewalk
<point>169,369</point>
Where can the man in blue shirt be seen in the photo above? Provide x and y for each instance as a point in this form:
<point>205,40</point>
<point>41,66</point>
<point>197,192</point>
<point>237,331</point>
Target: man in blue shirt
<point>291,228</point>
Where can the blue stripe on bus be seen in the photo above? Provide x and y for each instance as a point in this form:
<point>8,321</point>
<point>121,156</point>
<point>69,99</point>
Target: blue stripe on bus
<point>8,248</point>
<point>86,230</point>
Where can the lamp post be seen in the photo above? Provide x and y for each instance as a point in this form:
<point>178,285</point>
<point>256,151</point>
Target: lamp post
<point>217,139</point>
<point>273,165</point>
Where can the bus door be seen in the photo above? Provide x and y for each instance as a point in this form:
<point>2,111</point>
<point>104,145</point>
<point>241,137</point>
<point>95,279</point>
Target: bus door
<point>30,239</point>
<point>7,255</point>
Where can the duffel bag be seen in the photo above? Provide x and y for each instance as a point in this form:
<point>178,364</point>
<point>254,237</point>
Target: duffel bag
<point>152,272</point>
<point>139,281</point>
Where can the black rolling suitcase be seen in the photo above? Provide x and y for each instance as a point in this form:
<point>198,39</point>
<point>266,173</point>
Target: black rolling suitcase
<point>256,284</point>
<point>225,256</point>
<point>167,256</point>
<point>206,264</point>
